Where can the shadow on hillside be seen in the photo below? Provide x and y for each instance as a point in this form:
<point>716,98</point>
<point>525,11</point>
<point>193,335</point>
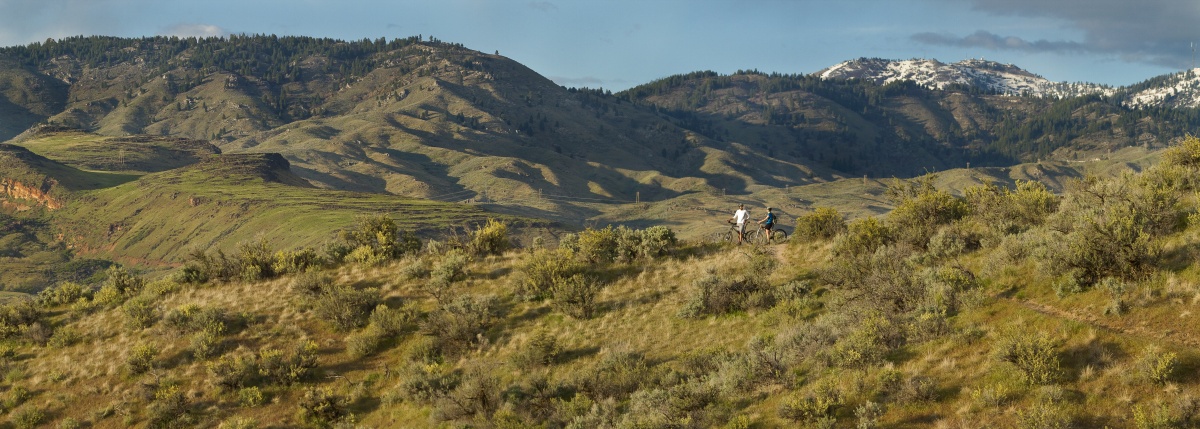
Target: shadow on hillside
<point>17,119</point>
<point>352,182</point>
<point>1098,355</point>
<point>1188,370</point>
<point>574,171</point>
<point>446,184</point>
<point>569,355</point>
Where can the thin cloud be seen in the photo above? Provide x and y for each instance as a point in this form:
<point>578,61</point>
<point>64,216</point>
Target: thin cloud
<point>543,6</point>
<point>195,30</point>
<point>987,40</point>
<point>1157,32</point>
<point>585,81</point>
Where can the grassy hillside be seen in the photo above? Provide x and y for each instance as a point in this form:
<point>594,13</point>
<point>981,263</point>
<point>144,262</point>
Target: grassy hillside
<point>429,119</point>
<point>227,199</point>
<point>1005,307</point>
<point>131,154</point>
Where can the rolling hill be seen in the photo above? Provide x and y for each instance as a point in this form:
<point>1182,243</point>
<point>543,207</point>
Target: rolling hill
<point>426,118</point>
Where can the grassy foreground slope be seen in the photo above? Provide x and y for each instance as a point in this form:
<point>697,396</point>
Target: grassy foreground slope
<point>1004,307</point>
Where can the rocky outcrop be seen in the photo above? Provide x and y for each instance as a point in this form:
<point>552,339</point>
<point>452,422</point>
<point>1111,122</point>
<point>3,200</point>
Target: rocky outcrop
<point>21,197</point>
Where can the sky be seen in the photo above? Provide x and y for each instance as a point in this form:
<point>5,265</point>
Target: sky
<point>618,44</point>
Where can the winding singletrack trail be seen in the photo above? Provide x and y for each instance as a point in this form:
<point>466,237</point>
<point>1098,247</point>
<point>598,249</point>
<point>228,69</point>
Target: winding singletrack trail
<point>1109,325</point>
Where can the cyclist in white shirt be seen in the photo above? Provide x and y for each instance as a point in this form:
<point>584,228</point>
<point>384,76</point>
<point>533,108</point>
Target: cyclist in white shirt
<point>739,218</point>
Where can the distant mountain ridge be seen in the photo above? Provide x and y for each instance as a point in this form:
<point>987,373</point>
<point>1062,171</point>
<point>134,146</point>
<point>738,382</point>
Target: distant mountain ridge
<point>990,76</point>
<point>430,119</point>
<point>1176,90</point>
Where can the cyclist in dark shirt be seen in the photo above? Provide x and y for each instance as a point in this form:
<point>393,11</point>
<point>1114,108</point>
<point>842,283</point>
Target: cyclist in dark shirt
<point>768,222</point>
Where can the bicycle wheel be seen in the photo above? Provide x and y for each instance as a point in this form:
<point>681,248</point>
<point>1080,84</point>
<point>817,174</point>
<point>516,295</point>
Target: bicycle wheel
<point>778,236</point>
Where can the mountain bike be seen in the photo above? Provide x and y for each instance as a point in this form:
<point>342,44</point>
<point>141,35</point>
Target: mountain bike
<point>760,236</point>
<point>730,234</point>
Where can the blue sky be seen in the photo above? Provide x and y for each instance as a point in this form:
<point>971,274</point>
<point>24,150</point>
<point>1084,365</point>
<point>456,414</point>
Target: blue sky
<point>617,44</point>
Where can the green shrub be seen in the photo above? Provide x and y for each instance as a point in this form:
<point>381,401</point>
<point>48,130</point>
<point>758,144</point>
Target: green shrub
<point>367,256</point>
<point>336,251</point>
<point>162,287</point>
<point>541,269</point>
<point>15,317</point>
<point>668,406</point>
<point>233,371</point>
<point>1156,365</point>
<point>288,368</point>
<point>477,394</point>
<point>194,318</point>
<point>921,209</point>
<point>64,293</point>
<point>576,295</point>
<point>956,239</point>
<point>296,261</point>
<point>821,403</point>
<point>717,293</point>
<point>491,238</point>
<point>656,241</point>
<point>823,223</point>
<point>1185,154</point>
<point>256,261</point>
<point>542,349</point>
<point>452,268</point>
<point>169,409</point>
<point>886,279</point>
<point>141,358</point>
<point>203,267</point>
<point>1011,211</point>
<point>459,324</point>
<point>120,285</point>
<point>415,268</point>
<point>390,321</point>
<point>917,388</point>
<point>310,285</point>
<point>320,407</point>
<point>1116,290</point>
<point>1044,415</point>
<point>863,236</point>
<point>365,342</point>
<point>65,336</point>
<point>139,312</point>
<point>420,382</point>
<point>948,289</point>
<point>378,238</point>
<point>1033,353</point>
<point>868,344</point>
<point>205,344</point>
<point>251,397</point>
<point>868,415</point>
<point>1109,228</point>
<point>27,417</point>
<point>616,375</point>
<point>17,396</point>
<point>239,423</point>
<point>345,307</point>
<point>992,396</point>
<point>597,245</point>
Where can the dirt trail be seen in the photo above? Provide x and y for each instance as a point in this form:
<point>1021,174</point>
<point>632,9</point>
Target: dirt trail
<point>1171,336</point>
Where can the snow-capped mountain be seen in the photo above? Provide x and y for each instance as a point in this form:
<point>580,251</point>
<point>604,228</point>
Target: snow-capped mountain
<point>989,75</point>
<point>1173,90</point>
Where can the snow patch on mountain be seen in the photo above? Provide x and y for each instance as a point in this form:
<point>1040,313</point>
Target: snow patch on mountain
<point>1175,90</point>
<point>988,75</point>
